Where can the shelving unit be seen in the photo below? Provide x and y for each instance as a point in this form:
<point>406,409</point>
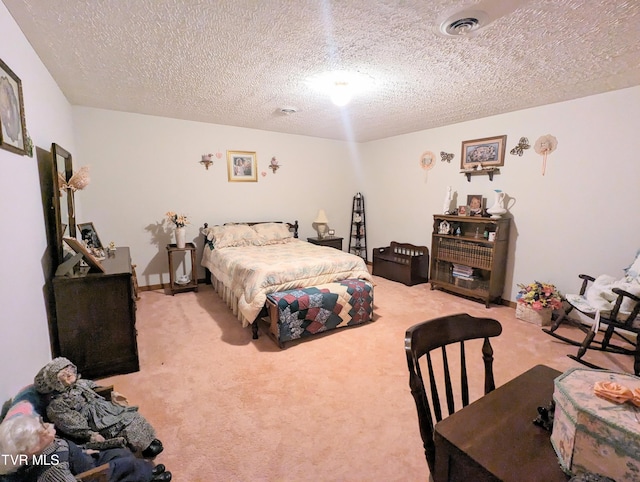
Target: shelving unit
<point>469,263</point>
<point>358,234</point>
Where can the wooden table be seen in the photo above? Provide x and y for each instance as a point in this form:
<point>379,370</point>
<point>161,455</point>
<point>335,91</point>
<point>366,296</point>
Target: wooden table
<point>494,438</point>
<point>192,284</point>
<point>331,241</point>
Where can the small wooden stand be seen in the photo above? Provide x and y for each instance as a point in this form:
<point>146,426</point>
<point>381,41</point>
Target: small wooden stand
<point>174,286</point>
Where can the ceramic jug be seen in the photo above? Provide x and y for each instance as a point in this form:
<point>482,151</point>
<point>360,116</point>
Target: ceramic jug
<point>498,209</point>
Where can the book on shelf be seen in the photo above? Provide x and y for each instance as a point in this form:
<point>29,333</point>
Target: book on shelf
<point>463,272</point>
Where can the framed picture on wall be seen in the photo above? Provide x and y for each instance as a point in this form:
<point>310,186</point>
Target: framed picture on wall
<point>12,125</point>
<point>242,166</point>
<point>488,152</point>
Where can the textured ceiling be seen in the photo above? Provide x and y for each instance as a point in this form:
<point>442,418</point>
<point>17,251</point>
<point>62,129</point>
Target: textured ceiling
<point>237,62</point>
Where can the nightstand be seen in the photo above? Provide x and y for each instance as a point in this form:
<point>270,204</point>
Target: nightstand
<point>331,241</point>
<point>175,285</point>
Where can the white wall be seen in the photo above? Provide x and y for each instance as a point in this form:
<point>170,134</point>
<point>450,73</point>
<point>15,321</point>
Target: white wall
<point>24,335</point>
<point>569,221</point>
<point>580,217</point>
<point>143,166</point>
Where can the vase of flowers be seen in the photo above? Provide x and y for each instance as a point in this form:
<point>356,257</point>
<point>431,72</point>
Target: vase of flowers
<point>536,302</point>
<point>179,221</point>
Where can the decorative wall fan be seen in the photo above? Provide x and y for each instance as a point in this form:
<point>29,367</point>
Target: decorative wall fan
<point>545,145</point>
<point>427,160</point>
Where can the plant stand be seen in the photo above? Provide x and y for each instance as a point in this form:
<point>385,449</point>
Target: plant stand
<point>537,317</point>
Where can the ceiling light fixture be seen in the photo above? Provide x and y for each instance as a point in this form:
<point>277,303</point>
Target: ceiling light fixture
<point>341,94</point>
<point>288,110</point>
<point>340,86</point>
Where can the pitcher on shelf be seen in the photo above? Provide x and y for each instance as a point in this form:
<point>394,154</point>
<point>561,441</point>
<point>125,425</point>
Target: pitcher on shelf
<point>498,209</point>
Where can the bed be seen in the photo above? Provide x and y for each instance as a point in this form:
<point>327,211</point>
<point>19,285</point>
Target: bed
<point>247,262</point>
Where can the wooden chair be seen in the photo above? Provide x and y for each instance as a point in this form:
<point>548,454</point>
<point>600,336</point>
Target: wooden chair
<point>618,318</point>
<point>429,335</point>
<point>98,474</point>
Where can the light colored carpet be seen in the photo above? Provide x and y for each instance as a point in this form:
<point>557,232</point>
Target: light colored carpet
<point>333,408</point>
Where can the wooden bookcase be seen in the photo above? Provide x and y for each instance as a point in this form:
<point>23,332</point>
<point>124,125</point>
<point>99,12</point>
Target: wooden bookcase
<point>464,261</point>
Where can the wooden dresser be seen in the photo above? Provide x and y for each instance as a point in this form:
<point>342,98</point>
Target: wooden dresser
<point>96,317</point>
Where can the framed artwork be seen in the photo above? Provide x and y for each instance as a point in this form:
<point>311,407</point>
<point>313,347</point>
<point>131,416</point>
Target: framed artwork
<point>488,152</point>
<point>78,247</point>
<point>89,235</point>
<point>12,125</point>
<point>242,166</point>
<point>91,240</point>
<point>476,204</point>
<point>463,210</point>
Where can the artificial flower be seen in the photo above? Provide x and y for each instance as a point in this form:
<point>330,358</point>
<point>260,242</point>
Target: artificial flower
<point>180,220</point>
<point>539,296</point>
<point>612,391</point>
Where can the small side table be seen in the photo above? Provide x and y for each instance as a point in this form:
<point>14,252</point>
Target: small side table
<point>174,286</point>
<point>331,241</point>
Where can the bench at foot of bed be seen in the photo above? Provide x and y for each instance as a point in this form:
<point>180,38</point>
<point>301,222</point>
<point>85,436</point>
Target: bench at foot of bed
<point>304,312</point>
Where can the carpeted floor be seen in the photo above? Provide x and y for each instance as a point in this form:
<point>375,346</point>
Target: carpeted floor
<point>333,408</point>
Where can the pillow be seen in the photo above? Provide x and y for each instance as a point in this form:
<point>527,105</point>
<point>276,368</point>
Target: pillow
<point>23,407</point>
<point>273,233</point>
<point>28,401</point>
<point>627,303</point>
<point>233,236</point>
<point>633,271</point>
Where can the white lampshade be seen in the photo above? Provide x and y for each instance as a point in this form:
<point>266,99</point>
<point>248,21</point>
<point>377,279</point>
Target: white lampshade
<point>321,218</point>
<point>321,223</point>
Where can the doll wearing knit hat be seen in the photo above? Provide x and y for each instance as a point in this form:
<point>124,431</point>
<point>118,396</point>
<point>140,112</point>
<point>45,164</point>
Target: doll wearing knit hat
<point>79,412</point>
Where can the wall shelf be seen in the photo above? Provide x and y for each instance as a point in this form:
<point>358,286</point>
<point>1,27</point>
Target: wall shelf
<point>473,172</point>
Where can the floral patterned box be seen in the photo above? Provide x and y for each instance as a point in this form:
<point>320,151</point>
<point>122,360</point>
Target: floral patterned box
<point>591,434</point>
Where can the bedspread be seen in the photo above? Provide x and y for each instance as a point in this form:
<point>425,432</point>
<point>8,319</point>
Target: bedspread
<point>250,273</point>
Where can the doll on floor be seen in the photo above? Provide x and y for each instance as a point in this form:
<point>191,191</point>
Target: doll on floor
<point>31,452</point>
<point>79,413</point>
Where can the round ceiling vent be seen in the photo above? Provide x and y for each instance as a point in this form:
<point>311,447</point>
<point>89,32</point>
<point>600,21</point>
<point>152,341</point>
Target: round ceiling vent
<point>464,24</point>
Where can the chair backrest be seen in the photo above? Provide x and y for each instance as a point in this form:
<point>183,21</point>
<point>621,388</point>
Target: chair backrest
<point>430,335</point>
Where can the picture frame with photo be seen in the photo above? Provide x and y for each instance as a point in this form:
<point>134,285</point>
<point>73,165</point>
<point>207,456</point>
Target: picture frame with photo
<point>78,247</point>
<point>486,152</point>
<point>242,166</point>
<point>12,123</point>
<point>90,239</point>
<point>463,210</point>
<point>476,204</point>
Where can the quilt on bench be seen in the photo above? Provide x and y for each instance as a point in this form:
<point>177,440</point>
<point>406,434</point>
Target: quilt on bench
<point>307,311</point>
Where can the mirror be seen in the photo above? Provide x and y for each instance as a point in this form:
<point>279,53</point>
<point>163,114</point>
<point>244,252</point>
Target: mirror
<point>63,197</point>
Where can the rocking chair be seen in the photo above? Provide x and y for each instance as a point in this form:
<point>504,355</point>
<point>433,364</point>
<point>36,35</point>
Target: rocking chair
<point>615,305</point>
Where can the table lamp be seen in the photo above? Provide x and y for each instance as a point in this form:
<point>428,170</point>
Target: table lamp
<point>321,224</point>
